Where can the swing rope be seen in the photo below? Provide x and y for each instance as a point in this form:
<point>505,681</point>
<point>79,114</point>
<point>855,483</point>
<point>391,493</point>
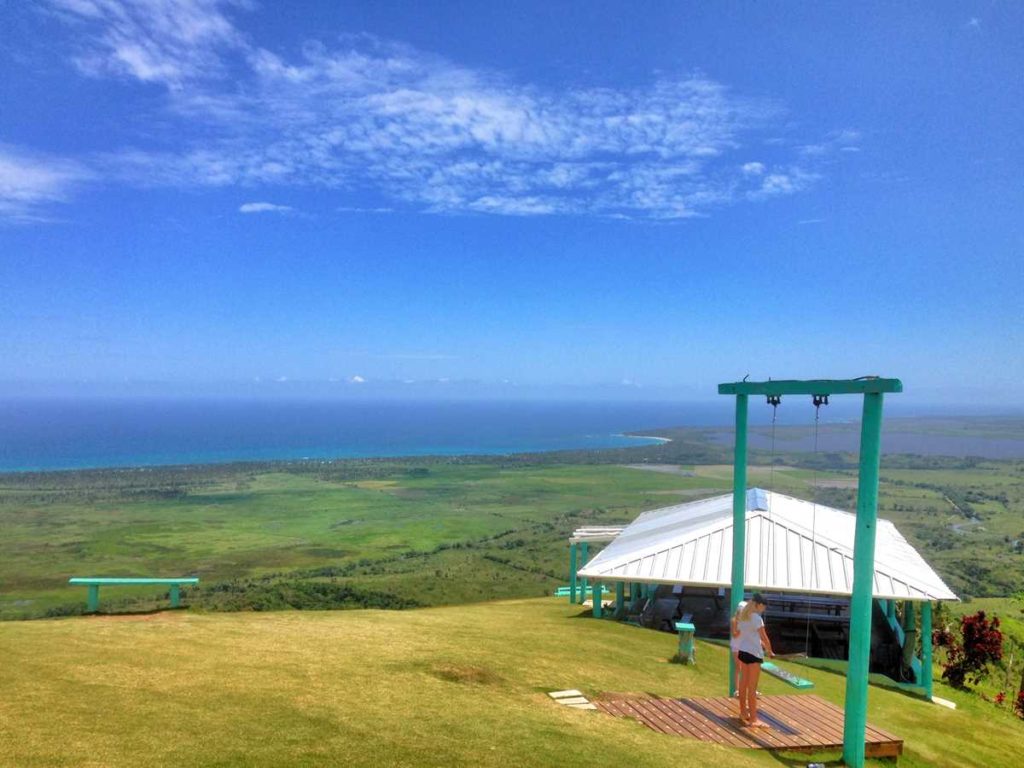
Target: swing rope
<point>773,401</point>
<point>818,401</point>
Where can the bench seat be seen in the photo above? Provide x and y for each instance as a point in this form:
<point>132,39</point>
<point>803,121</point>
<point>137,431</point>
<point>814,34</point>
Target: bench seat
<point>95,582</point>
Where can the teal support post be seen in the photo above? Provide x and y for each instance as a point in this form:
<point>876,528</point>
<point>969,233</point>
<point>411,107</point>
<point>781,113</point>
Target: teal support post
<point>685,654</point>
<point>583,582</point>
<point>855,716</point>
<point>620,599</point>
<point>926,648</point>
<point>572,572</point>
<point>175,595</point>
<point>890,610</point>
<point>595,592</point>
<point>909,620</point>
<point>93,598</point>
<point>739,520</point>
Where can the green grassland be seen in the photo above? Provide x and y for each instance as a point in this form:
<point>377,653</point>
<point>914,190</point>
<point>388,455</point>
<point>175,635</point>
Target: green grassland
<point>432,532</point>
<point>461,685</point>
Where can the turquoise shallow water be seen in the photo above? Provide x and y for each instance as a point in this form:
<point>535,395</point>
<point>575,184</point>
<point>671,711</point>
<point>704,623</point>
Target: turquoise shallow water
<point>106,432</point>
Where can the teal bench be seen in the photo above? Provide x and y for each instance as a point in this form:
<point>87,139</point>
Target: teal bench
<point>94,584</point>
<point>566,591</point>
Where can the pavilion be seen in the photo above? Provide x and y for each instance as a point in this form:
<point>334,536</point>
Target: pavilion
<point>797,551</point>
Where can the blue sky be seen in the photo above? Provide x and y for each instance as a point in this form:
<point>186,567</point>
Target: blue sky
<point>582,198</point>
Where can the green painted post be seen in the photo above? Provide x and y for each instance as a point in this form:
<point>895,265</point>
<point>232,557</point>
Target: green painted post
<point>739,519</point>
<point>909,620</point>
<point>572,572</point>
<point>175,595</point>
<point>890,609</point>
<point>596,596</point>
<point>855,716</point>
<point>620,599</point>
<point>583,582</point>
<point>94,598</point>
<point>926,648</point>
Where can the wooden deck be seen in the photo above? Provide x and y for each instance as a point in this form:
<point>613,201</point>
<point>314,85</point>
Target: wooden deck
<point>804,722</point>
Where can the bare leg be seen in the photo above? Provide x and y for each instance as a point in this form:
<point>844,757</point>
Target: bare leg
<point>743,686</point>
<point>753,674</point>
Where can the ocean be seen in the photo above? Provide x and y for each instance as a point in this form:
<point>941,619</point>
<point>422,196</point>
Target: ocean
<point>54,433</point>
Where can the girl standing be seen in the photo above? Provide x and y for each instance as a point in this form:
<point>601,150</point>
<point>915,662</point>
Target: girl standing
<point>752,642</point>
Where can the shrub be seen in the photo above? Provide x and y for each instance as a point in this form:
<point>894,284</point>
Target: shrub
<point>982,644</point>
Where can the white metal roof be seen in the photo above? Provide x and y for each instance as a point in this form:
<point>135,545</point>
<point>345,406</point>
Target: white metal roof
<point>792,546</point>
<point>597,533</point>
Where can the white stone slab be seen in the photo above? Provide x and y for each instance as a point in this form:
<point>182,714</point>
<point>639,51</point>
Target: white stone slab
<point>564,694</point>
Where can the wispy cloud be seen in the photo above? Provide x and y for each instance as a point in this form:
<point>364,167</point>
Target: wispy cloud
<point>159,41</point>
<point>264,208</point>
<point>422,132</point>
<point>30,181</point>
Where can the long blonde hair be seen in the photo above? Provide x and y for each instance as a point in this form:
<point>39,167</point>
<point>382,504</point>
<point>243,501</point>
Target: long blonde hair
<point>745,611</point>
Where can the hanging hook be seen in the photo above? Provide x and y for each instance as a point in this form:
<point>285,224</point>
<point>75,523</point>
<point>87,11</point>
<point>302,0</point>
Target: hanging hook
<point>819,400</point>
<point>774,400</point>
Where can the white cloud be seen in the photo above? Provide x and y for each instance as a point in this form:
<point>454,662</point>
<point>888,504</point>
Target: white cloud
<point>419,131</point>
<point>30,181</point>
<point>159,41</point>
<point>264,208</point>
<point>780,183</point>
<point>359,209</point>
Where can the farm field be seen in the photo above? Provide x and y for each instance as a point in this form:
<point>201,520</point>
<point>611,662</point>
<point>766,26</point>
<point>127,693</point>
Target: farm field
<point>404,533</point>
<point>462,685</point>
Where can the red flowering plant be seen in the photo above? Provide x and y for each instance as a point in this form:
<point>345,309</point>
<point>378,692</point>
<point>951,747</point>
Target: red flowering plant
<point>982,644</point>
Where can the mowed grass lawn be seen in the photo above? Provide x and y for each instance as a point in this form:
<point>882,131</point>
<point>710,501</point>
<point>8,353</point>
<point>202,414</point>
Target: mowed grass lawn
<point>461,685</point>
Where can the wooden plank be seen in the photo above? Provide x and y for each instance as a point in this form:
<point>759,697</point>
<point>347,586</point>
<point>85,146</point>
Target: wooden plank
<point>799,722</point>
<point>753,737</point>
<point>726,720</point>
<point>651,710</point>
<point>719,730</point>
<point>815,731</point>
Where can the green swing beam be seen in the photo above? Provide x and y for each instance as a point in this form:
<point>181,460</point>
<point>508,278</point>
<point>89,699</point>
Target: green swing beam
<point>873,389</point>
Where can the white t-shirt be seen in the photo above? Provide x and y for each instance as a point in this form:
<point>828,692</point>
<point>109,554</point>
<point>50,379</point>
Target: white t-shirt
<point>734,642</point>
<point>750,635</point>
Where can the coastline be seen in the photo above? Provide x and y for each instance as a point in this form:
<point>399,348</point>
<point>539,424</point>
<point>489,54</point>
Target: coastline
<point>431,453</point>
<point>661,440</point>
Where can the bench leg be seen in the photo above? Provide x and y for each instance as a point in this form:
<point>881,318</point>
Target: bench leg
<point>94,598</point>
<point>175,595</point>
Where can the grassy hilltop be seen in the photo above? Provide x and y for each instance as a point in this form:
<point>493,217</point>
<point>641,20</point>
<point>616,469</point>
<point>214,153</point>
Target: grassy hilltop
<point>460,685</point>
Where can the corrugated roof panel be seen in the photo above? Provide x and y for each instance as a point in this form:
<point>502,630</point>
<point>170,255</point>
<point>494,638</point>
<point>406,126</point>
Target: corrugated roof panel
<point>799,546</point>
<point>674,559</point>
<point>700,558</point>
